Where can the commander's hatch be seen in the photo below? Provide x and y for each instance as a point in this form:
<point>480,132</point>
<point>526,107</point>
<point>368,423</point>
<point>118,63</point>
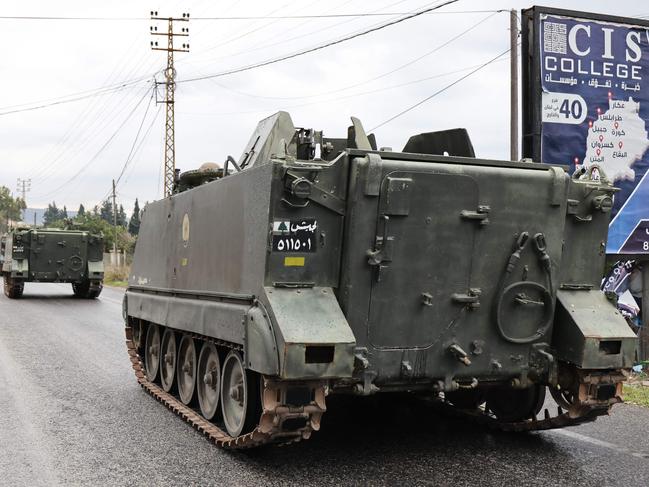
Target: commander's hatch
<point>425,237</point>
<point>267,139</point>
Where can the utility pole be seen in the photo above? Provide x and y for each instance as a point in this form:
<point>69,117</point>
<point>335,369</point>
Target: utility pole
<point>24,186</point>
<point>513,57</point>
<point>114,226</point>
<point>170,86</point>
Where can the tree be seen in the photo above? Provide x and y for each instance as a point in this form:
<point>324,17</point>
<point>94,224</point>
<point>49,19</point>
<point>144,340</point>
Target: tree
<point>63,214</point>
<point>121,217</point>
<point>106,211</point>
<point>51,215</point>
<point>96,224</point>
<point>81,211</point>
<point>134,222</point>
<point>10,207</point>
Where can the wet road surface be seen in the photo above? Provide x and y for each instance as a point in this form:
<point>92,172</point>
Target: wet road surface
<point>73,414</point>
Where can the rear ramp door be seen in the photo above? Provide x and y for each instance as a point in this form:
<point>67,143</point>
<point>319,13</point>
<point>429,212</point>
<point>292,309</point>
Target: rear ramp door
<point>422,256</point>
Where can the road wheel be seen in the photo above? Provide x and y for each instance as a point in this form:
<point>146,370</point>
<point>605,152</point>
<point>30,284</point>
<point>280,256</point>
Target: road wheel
<point>13,289</point>
<point>137,328</point>
<point>18,289</point>
<point>152,352</point>
<point>510,405</point>
<point>565,398</point>
<point>95,289</point>
<point>168,359</point>
<point>240,396</point>
<point>87,289</point>
<point>186,369</point>
<point>208,383</point>
<point>80,289</point>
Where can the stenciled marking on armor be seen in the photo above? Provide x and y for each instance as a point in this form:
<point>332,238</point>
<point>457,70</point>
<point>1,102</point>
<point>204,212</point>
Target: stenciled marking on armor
<point>294,261</point>
<point>295,235</point>
<point>185,233</point>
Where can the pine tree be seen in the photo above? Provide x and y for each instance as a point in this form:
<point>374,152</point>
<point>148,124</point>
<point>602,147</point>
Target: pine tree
<point>63,214</point>
<point>51,215</point>
<point>121,216</point>
<point>134,222</point>
<point>81,211</point>
<point>106,211</point>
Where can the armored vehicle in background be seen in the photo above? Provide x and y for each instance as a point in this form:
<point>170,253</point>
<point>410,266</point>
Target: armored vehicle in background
<point>315,266</point>
<point>3,240</point>
<point>53,255</point>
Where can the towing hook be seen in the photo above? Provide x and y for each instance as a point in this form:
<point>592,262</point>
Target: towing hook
<point>539,242</point>
<point>522,240</point>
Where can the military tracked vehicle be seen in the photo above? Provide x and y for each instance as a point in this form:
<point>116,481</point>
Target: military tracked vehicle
<point>53,255</point>
<point>314,266</point>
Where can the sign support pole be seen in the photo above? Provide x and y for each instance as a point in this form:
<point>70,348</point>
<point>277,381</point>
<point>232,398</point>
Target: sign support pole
<point>513,66</point>
<point>643,334</point>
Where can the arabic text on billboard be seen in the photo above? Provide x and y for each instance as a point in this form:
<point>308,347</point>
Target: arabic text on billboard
<point>594,109</point>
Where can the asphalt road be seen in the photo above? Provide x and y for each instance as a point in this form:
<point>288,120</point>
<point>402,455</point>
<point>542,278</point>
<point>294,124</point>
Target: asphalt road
<point>73,414</point>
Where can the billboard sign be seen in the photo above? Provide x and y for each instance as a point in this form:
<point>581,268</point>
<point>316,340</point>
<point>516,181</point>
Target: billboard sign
<point>586,102</point>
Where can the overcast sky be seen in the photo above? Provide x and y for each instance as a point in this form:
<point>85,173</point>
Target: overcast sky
<point>71,151</point>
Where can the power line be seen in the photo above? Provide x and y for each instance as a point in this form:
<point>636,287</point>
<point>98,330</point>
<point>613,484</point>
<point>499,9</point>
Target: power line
<point>122,108</point>
<point>334,16</point>
<point>100,91</point>
<point>136,152</point>
<point>101,149</point>
<point>230,39</point>
<point>266,45</point>
<point>137,135</point>
<point>73,97</point>
<point>345,97</point>
<point>442,90</point>
<point>89,124</point>
<point>382,75</point>
<point>319,47</point>
<point>244,17</point>
<point>93,113</point>
<point>139,146</point>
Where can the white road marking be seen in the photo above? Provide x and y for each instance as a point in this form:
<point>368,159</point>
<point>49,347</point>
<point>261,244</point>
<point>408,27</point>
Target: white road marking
<point>103,298</point>
<point>601,443</point>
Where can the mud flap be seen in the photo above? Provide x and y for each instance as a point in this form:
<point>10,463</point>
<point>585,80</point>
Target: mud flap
<point>313,337</point>
<point>95,270</point>
<point>590,333</point>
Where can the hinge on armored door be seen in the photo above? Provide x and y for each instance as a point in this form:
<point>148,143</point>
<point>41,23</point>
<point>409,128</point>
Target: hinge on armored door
<point>471,299</point>
<point>382,252</point>
<point>480,215</point>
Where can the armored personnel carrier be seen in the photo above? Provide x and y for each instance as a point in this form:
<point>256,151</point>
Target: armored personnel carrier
<point>53,255</point>
<point>315,266</point>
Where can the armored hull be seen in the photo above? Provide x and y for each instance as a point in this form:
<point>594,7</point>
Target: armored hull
<point>52,255</point>
<point>361,271</point>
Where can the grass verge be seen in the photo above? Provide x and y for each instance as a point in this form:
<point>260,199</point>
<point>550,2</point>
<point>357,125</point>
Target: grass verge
<point>116,283</point>
<point>116,276</point>
<point>636,394</point>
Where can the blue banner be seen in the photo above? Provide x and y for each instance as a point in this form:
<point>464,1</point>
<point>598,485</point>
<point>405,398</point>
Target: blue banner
<point>594,109</point>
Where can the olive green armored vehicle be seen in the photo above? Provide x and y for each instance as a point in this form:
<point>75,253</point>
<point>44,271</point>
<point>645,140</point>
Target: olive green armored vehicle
<point>314,266</point>
<point>52,255</point>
